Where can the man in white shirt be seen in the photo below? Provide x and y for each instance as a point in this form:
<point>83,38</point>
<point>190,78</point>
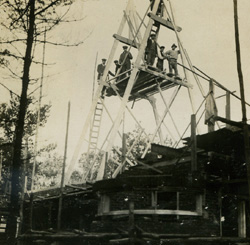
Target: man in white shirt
<point>172,56</point>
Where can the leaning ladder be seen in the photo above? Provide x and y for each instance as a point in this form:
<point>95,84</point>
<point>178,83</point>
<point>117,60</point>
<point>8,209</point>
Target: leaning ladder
<point>95,128</point>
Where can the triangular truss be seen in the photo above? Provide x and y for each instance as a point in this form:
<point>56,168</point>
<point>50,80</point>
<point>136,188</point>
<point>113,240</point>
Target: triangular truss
<point>142,82</point>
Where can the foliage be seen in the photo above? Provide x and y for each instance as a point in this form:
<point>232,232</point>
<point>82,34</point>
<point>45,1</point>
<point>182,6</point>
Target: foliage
<point>14,24</point>
<point>136,143</point>
<point>24,23</point>
<point>48,167</point>
<point>8,115</point>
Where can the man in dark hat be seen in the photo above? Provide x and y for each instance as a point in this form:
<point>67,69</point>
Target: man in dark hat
<point>125,60</point>
<point>151,50</point>
<point>100,69</point>
<point>160,60</point>
<point>172,56</point>
<point>117,66</point>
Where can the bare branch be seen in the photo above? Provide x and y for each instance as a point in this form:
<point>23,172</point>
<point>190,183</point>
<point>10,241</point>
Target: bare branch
<point>7,53</point>
<point>56,22</point>
<point>62,44</point>
<point>16,49</point>
<point>21,16</point>
<point>50,5</point>
<point>12,41</point>
<point>62,21</point>
<point>9,90</point>
<point>12,72</point>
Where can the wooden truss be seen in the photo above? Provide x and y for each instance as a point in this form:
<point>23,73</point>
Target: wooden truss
<point>143,82</point>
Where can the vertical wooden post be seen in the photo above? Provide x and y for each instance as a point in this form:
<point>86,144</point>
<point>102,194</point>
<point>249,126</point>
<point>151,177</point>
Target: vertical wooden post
<point>152,101</point>
<point>124,150</point>
<point>220,207</point>
<point>178,203</point>
<point>59,216</point>
<point>24,184</point>
<point>228,107</point>
<point>242,94</point>
<point>31,211</point>
<point>131,223</point>
<point>210,125</point>
<point>1,163</point>
<point>242,219</point>
<point>193,144</point>
<point>50,214</point>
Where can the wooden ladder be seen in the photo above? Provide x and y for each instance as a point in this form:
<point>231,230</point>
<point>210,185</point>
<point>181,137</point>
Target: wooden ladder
<point>95,128</point>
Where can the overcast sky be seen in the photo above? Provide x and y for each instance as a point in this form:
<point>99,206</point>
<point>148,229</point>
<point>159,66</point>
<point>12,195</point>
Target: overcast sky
<point>207,35</point>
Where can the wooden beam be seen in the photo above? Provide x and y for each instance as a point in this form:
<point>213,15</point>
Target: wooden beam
<point>150,167</point>
<point>193,144</point>
<point>210,124</point>
<point>166,23</point>
<point>232,123</point>
<point>242,219</point>
<point>228,108</point>
<point>158,74</point>
<point>127,41</point>
<point>153,212</point>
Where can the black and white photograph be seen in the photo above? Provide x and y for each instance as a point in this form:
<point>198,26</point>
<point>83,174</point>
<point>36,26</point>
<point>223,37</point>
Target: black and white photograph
<point>124,122</point>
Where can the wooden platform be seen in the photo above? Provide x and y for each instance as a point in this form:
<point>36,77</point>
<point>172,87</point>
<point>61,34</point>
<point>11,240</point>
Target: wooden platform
<point>146,84</point>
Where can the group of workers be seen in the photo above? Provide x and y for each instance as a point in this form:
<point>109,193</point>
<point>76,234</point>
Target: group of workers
<point>152,52</point>
<point>123,65</point>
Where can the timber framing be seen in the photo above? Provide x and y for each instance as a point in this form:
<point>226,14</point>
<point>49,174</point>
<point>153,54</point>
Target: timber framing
<point>193,195</point>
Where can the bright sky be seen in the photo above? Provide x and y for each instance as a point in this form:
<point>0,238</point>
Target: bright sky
<point>207,35</point>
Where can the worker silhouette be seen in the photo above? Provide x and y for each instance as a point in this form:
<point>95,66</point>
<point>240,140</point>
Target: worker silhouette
<point>151,50</point>
<point>172,56</point>
<point>117,66</point>
<point>160,60</point>
<point>100,69</point>
<point>125,62</point>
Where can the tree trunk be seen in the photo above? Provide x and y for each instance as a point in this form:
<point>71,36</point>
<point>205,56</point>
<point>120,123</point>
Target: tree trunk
<point>243,105</point>
<point>16,163</point>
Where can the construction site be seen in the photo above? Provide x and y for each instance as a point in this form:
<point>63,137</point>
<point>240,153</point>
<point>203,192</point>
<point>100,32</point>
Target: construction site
<point>193,190</point>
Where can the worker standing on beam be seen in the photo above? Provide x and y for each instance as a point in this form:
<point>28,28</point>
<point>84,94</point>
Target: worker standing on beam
<point>151,50</point>
<point>117,66</point>
<point>172,56</point>
<point>160,60</point>
<point>100,70</point>
<point>125,61</point>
